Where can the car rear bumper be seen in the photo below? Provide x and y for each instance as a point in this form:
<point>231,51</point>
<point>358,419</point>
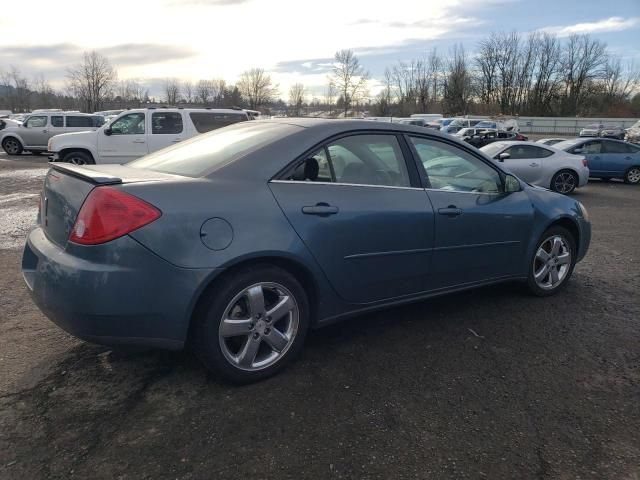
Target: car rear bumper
<point>116,293</point>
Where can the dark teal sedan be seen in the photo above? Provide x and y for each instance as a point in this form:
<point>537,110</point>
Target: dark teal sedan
<point>239,241</point>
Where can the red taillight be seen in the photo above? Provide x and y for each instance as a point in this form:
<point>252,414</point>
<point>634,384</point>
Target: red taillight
<point>584,162</point>
<point>108,213</point>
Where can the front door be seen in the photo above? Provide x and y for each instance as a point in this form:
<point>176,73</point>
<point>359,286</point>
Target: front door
<point>167,128</point>
<point>592,151</point>
<point>362,216</point>
<point>124,140</point>
<point>481,232</point>
<point>35,132</point>
<point>526,162</point>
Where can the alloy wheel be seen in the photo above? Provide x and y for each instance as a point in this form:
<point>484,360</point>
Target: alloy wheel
<point>552,262</point>
<point>564,182</point>
<point>633,175</point>
<point>11,146</point>
<point>259,326</point>
<point>77,160</point>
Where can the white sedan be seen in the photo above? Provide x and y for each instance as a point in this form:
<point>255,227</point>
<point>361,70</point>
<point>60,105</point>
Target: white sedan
<point>541,165</point>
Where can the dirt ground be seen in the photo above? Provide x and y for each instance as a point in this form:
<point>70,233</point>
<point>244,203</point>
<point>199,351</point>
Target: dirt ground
<point>490,383</point>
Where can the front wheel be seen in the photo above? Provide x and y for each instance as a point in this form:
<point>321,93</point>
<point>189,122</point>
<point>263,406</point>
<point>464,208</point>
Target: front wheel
<point>564,182</point>
<point>78,158</point>
<point>254,324</point>
<point>12,146</point>
<point>632,176</point>
<point>553,262</point>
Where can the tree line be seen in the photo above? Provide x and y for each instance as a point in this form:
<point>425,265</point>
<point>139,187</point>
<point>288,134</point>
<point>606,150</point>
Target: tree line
<point>537,74</point>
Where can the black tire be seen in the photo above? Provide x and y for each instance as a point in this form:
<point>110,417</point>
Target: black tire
<point>632,176</point>
<point>205,337</point>
<point>36,152</point>
<point>564,181</point>
<point>535,264</point>
<point>78,158</point>
<point>12,146</point>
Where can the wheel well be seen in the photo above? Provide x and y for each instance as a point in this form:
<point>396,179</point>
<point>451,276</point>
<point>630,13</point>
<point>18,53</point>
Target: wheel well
<point>570,226</point>
<point>295,268</point>
<point>15,138</point>
<point>66,151</point>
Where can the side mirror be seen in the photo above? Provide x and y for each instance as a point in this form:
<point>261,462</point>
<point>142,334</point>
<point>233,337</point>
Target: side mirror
<point>511,184</point>
<point>503,156</point>
<point>24,124</point>
<point>107,131</point>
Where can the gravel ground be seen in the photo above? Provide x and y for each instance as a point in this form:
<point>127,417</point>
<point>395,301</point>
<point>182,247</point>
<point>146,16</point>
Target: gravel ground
<point>490,383</point>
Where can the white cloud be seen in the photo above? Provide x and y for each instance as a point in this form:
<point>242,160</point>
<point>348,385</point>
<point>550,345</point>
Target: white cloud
<point>611,24</point>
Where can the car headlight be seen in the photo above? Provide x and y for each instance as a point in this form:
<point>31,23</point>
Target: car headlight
<point>49,145</point>
<point>583,210</point>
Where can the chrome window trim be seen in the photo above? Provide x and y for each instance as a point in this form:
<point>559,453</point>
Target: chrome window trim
<point>382,186</point>
<point>345,184</point>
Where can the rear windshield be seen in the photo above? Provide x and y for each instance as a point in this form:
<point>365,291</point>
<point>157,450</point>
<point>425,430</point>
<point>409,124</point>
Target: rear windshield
<point>206,153</point>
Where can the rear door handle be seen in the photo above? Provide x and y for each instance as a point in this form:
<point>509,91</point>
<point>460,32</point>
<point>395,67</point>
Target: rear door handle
<point>45,131</point>
<point>450,211</point>
<point>533,164</point>
<point>176,140</point>
<point>138,141</point>
<point>322,209</point>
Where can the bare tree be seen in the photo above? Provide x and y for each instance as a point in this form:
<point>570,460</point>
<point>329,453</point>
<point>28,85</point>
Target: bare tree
<point>457,88</point>
<point>296,97</point>
<point>171,90</point>
<point>349,77</point>
<point>218,88</point>
<point>257,87</point>
<point>330,95</point>
<point>203,91</point>
<point>92,80</point>
<point>583,61</point>
<point>188,90</point>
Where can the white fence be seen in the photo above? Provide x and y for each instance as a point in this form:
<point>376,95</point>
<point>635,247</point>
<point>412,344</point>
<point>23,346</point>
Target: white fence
<point>567,125</point>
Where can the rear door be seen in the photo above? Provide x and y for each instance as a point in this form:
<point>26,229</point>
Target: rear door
<point>167,128</point>
<point>358,207</point>
<point>481,233</point>
<point>127,139</point>
<point>617,157</point>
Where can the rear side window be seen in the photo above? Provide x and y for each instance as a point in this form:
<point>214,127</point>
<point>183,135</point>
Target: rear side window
<point>527,151</point>
<point>204,154</point>
<point>74,121</point>
<point>207,121</point>
<point>57,121</point>
<point>164,123</point>
<point>615,147</point>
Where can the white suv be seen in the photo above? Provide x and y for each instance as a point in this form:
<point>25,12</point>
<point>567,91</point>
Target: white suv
<point>135,133</point>
<point>36,130</point>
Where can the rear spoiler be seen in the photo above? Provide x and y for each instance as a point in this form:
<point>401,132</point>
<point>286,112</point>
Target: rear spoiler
<point>97,178</point>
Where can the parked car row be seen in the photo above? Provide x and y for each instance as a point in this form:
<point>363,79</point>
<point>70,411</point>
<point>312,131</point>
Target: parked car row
<point>606,131</point>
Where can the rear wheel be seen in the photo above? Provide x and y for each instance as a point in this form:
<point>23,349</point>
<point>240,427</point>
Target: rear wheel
<point>12,146</point>
<point>565,182</point>
<point>78,158</point>
<point>632,176</point>
<point>254,324</point>
<point>553,262</point>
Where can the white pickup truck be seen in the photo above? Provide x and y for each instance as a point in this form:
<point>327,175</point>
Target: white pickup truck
<point>135,133</point>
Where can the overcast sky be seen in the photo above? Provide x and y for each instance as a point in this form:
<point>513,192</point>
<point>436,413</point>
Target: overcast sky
<point>293,39</point>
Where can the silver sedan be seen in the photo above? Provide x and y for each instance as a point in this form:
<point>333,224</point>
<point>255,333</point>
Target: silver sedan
<point>541,165</point>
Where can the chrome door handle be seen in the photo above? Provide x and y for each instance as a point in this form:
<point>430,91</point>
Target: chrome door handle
<point>450,211</point>
<point>533,164</point>
<point>322,209</point>
<point>138,141</point>
<point>45,131</point>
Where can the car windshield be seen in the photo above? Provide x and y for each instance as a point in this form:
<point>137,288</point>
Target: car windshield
<point>457,123</point>
<point>446,122</point>
<point>566,144</point>
<point>492,148</point>
<point>208,152</point>
<point>593,126</point>
<point>611,127</point>
<point>486,125</point>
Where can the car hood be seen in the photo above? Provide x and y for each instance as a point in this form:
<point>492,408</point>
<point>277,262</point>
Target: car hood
<point>73,138</point>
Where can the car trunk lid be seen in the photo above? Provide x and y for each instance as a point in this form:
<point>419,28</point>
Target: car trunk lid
<point>66,187</point>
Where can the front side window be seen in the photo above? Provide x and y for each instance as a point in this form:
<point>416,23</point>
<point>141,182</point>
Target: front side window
<point>450,168</point>
<point>527,151</point>
<point>130,124</point>
<point>590,148</point>
<point>369,160</point>
<point>36,121</point>
<point>77,121</point>
<point>207,121</point>
<point>57,121</point>
<point>164,123</point>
